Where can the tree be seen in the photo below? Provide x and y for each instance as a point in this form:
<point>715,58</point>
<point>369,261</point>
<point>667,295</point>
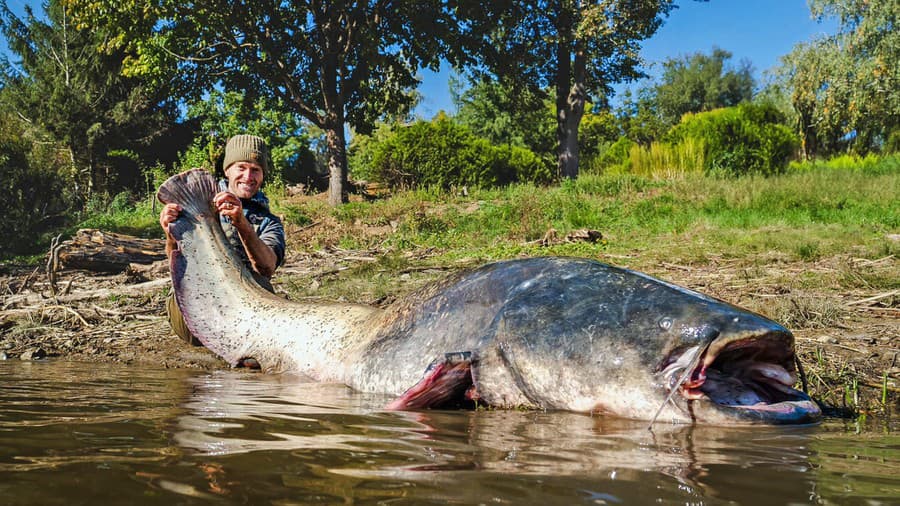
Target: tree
<point>497,112</point>
<point>688,84</point>
<point>63,83</point>
<point>332,62</point>
<point>844,87</point>
<point>639,116</point>
<point>224,114</point>
<point>36,198</point>
<point>576,48</point>
<point>817,103</point>
<point>699,83</point>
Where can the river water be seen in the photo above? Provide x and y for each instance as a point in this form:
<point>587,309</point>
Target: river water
<point>75,433</point>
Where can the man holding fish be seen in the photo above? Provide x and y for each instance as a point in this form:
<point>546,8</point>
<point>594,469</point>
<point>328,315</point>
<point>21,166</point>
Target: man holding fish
<point>254,233</point>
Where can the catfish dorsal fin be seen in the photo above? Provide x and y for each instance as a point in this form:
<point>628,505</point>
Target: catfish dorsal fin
<point>193,190</point>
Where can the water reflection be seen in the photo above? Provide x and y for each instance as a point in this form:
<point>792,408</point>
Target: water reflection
<point>507,453</point>
<point>124,435</point>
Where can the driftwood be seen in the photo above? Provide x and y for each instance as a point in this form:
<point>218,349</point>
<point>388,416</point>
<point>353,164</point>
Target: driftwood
<point>99,251</point>
<point>552,237</point>
<point>15,301</point>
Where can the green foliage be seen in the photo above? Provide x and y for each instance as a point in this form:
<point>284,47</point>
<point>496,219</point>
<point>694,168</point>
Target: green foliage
<point>700,82</point>
<point>362,150</point>
<point>667,161</point>
<point>747,139</point>
<point>892,145</point>
<point>844,86</point>
<point>597,134</point>
<point>639,118</point>
<point>689,84</point>
<point>505,114</point>
<point>224,114</point>
<point>124,215</point>
<point>871,164</point>
<point>818,104</point>
<point>442,153</point>
<point>65,83</point>
<point>37,202</point>
<point>615,158</point>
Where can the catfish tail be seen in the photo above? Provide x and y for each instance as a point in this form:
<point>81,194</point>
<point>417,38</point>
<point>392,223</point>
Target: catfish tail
<point>193,190</point>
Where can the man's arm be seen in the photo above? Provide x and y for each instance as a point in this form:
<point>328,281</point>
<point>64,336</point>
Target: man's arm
<point>262,257</point>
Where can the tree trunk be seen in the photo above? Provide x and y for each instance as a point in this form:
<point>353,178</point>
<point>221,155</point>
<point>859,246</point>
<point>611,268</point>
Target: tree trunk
<point>332,92</point>
<point>575,103</point>
<point>808,146</point>
<point>337,164</point>
<point>570,96</point>
<point>563,80</point>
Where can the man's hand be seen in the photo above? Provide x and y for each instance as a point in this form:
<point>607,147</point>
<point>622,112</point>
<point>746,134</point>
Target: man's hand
<point>262,258</point>
<point>229,205</point>
<point>168,214</point>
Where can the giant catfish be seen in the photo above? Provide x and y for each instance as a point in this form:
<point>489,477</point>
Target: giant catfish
<point>544,333</point>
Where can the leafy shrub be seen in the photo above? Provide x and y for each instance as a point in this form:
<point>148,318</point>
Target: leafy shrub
<point>596,131</point>
<point>748,138</point>
<point>614,159</point>
<point>37,203</point>
<point>872,164</point>
<point>443,153</point>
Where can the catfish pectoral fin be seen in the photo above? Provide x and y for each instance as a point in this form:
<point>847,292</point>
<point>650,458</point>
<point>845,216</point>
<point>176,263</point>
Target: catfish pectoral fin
<point>447,382</point>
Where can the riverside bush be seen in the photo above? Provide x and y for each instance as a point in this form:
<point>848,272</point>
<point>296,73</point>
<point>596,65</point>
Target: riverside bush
<point>870,163</point>
<point>745,139</point>
<point>443,154</point>
<point>38,202</point>
<point>614,159</point>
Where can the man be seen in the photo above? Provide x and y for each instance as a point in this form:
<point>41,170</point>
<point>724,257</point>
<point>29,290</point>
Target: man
<point>251,229</point>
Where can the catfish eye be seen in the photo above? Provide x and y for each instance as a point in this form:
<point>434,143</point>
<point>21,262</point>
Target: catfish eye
<point>665,323</point>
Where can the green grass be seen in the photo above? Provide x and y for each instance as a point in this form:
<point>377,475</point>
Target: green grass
<point>806,214</point>
<point>139,219</point>
<point>814,211</point>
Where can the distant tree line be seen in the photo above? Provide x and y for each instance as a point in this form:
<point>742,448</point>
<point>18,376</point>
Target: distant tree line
<point>103,97</point>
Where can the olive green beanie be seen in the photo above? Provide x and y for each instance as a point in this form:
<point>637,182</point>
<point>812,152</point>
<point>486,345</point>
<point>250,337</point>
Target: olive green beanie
<point>246,148</point>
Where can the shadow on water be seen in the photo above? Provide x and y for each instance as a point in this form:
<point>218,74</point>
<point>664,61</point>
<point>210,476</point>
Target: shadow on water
<point>85,434</point>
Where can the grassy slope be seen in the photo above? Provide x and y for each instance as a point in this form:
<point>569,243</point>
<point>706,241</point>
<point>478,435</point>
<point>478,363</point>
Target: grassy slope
<point>803,215</point>
<point>797,247</point>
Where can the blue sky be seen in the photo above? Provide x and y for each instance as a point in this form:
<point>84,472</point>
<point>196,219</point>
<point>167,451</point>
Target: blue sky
<point>760,31</point>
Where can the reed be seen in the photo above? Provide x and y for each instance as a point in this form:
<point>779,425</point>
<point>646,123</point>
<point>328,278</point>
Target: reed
<point>662,160</point>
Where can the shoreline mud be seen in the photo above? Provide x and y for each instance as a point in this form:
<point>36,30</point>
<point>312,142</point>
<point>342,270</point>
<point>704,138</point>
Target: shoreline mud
<point>848,343</point>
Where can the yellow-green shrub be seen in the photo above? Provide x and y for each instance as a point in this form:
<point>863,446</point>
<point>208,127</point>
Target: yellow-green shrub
<point>745,139</point>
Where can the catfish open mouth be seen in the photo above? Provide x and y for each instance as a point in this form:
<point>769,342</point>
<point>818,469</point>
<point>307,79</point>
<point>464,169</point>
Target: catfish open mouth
<point>751,378</point>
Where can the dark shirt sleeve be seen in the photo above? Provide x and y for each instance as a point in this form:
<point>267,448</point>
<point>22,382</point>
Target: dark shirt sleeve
<point>271,232</point>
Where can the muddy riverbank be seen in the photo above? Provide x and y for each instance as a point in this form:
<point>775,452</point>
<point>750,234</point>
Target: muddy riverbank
<point>849,343</point>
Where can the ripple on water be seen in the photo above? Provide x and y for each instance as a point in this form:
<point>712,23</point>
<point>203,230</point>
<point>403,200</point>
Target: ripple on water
<point>136,435</point>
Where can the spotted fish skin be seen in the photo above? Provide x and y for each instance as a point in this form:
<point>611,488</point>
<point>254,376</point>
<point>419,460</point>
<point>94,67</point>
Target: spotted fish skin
<point>545,333</point>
